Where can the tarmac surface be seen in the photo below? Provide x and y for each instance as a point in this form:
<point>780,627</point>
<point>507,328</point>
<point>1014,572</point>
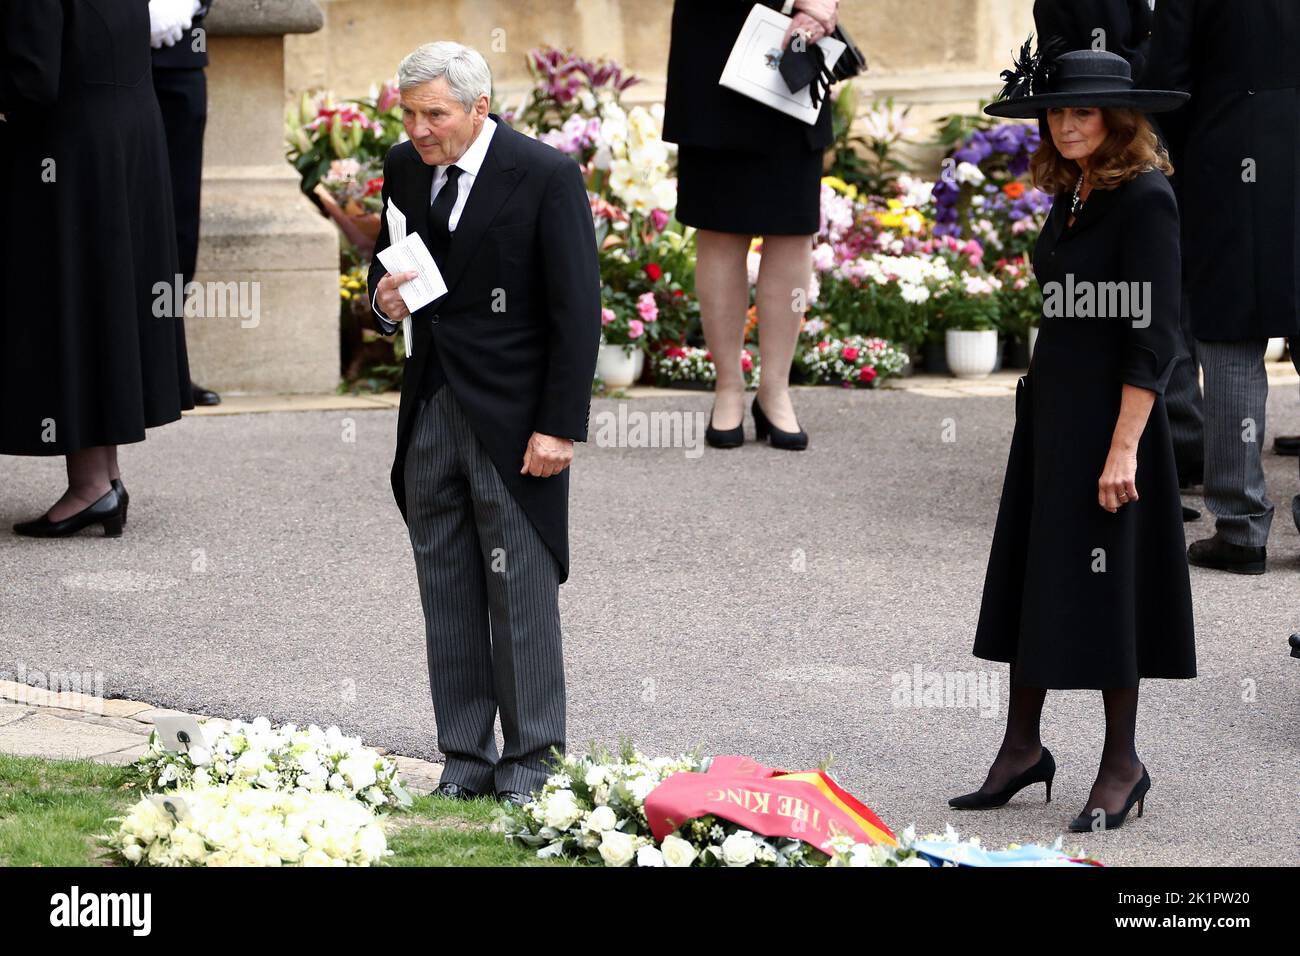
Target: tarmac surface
<point>752,601</point>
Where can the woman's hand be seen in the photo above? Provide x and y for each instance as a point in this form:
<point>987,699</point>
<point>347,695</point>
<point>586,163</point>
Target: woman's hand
<point>825,12</point>
<point>813,18</point>
<point>1117,486</point>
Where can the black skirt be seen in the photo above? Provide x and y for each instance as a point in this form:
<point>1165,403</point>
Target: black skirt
<point>756,194</point>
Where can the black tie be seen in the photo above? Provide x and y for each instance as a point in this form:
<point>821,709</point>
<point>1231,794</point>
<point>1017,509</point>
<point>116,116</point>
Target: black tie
<point>440,216</point>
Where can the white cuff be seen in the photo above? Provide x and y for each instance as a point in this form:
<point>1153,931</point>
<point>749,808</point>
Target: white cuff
<point>384,321</point>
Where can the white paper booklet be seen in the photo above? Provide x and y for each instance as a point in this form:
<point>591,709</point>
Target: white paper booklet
<point>752,66</point>
<point>408,253</point>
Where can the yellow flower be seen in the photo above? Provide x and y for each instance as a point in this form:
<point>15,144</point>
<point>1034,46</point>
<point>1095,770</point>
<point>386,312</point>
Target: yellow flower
<point>840,186</point>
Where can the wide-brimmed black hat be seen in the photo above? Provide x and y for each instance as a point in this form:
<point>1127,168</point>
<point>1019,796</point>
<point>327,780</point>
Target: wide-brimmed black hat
<point>1079,78</point>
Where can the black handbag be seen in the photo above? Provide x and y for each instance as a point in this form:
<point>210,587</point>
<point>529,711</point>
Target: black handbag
<point>852,61</point>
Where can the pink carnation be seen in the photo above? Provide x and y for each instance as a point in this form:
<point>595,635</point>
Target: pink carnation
<point>635,328</point>
<point>646,308</point>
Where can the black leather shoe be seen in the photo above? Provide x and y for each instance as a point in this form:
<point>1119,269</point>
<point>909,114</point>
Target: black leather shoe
<point>454,791</point>
<point>121,493</point>
<point>514,797</point>
<point>1287,445</point>
<point>1041,772</point>
<point>204,396</point>
<point>725,437</point>
<point>1294,641</point>
<point>763,428</point>
<point>1225,556</point>
<point>1099,819</point>
<point>1190,514</point>
<point>106,511</point>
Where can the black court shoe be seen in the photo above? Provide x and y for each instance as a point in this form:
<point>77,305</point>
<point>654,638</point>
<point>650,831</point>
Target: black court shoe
<point>763,428</point>
<point>121,493</point>
<point>106,511</point>
<point>1112,821</point>
<point>1041,772</point>
<point>725,437</point>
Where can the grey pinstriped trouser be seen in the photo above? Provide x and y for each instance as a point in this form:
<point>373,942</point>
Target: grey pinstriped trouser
<point>1236,392</point>
<point>490,591</point>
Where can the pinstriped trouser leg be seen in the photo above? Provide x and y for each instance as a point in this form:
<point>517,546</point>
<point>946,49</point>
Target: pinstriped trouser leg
<point>454,596</point>
<point>522,578</point>
<point>1184,403</point>
<point>1236,395</point>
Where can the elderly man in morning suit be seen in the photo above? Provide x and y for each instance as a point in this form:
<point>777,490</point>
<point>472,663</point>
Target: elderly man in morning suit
<point>496,391</point>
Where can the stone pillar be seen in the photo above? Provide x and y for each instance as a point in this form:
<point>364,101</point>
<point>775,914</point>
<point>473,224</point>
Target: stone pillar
<point>257,228</point>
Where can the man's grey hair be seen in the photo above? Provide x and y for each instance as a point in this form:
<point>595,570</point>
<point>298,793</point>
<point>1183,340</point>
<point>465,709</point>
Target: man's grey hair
<point>466,71</point>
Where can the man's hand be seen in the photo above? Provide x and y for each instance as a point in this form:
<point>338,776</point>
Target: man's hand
<point>546,455</point>
<point>389,299</point>
<point>168,21</point>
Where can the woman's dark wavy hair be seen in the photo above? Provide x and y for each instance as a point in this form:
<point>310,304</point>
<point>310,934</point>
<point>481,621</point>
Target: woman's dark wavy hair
<point>1130,148</point>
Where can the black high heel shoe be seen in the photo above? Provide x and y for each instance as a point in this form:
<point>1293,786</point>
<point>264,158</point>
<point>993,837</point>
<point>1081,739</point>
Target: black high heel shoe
<point>121,493</point>
<point>1041,772</point>
<point>725,437</point>
<point>107,511</point>
<point>1112,821</point>
<point>763,428</point>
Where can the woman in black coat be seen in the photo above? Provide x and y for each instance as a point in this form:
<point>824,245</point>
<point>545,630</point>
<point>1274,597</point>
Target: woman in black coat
<point>1087,583</point>
<point>90,356</point>
<point>743,170</point>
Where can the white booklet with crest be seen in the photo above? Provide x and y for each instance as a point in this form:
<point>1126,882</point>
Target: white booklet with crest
<point>752,66</point>
<point>408,253</point>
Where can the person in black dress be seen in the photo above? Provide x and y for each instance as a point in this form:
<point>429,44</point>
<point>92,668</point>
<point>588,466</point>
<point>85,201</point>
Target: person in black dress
<point>1087,583</point>
<point>743,170</point>
<point>89,356</point>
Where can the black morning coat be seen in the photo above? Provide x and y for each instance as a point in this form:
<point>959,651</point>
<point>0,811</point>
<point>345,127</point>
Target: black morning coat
<point>526,230</point>
<point>1075,596</point>
<point>699,112</point>
<point>1240,61</point>
<point>86,231</point>
<point>1125,26</point>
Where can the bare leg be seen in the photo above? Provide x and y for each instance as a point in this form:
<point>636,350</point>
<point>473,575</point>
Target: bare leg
<point>783,281</point>
<point>88,481</point>
<point>1022,747</point>
<point>722,285</point>
<point>1120,767</point>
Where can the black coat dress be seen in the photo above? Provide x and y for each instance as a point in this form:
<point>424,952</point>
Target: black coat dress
<point>1241,237</point>
<point>87,231</point>
<point>525,229</point>
<point>742,167</point>
<point>1076,596</point>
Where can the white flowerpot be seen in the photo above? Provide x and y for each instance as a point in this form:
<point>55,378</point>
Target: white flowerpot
<point>618,368</point>
<point>1033,339</point>
<point>1275,349</point>
<point>971,354</point>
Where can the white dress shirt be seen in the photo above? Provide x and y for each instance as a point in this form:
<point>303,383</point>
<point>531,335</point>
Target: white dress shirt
<point>470,162</point>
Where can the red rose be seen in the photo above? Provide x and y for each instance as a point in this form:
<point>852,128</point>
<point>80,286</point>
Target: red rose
<point>850,353</point>
<point>374,185</point>
<point>867,374</point>
<point>654,272</point>
<point>678,293</point>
